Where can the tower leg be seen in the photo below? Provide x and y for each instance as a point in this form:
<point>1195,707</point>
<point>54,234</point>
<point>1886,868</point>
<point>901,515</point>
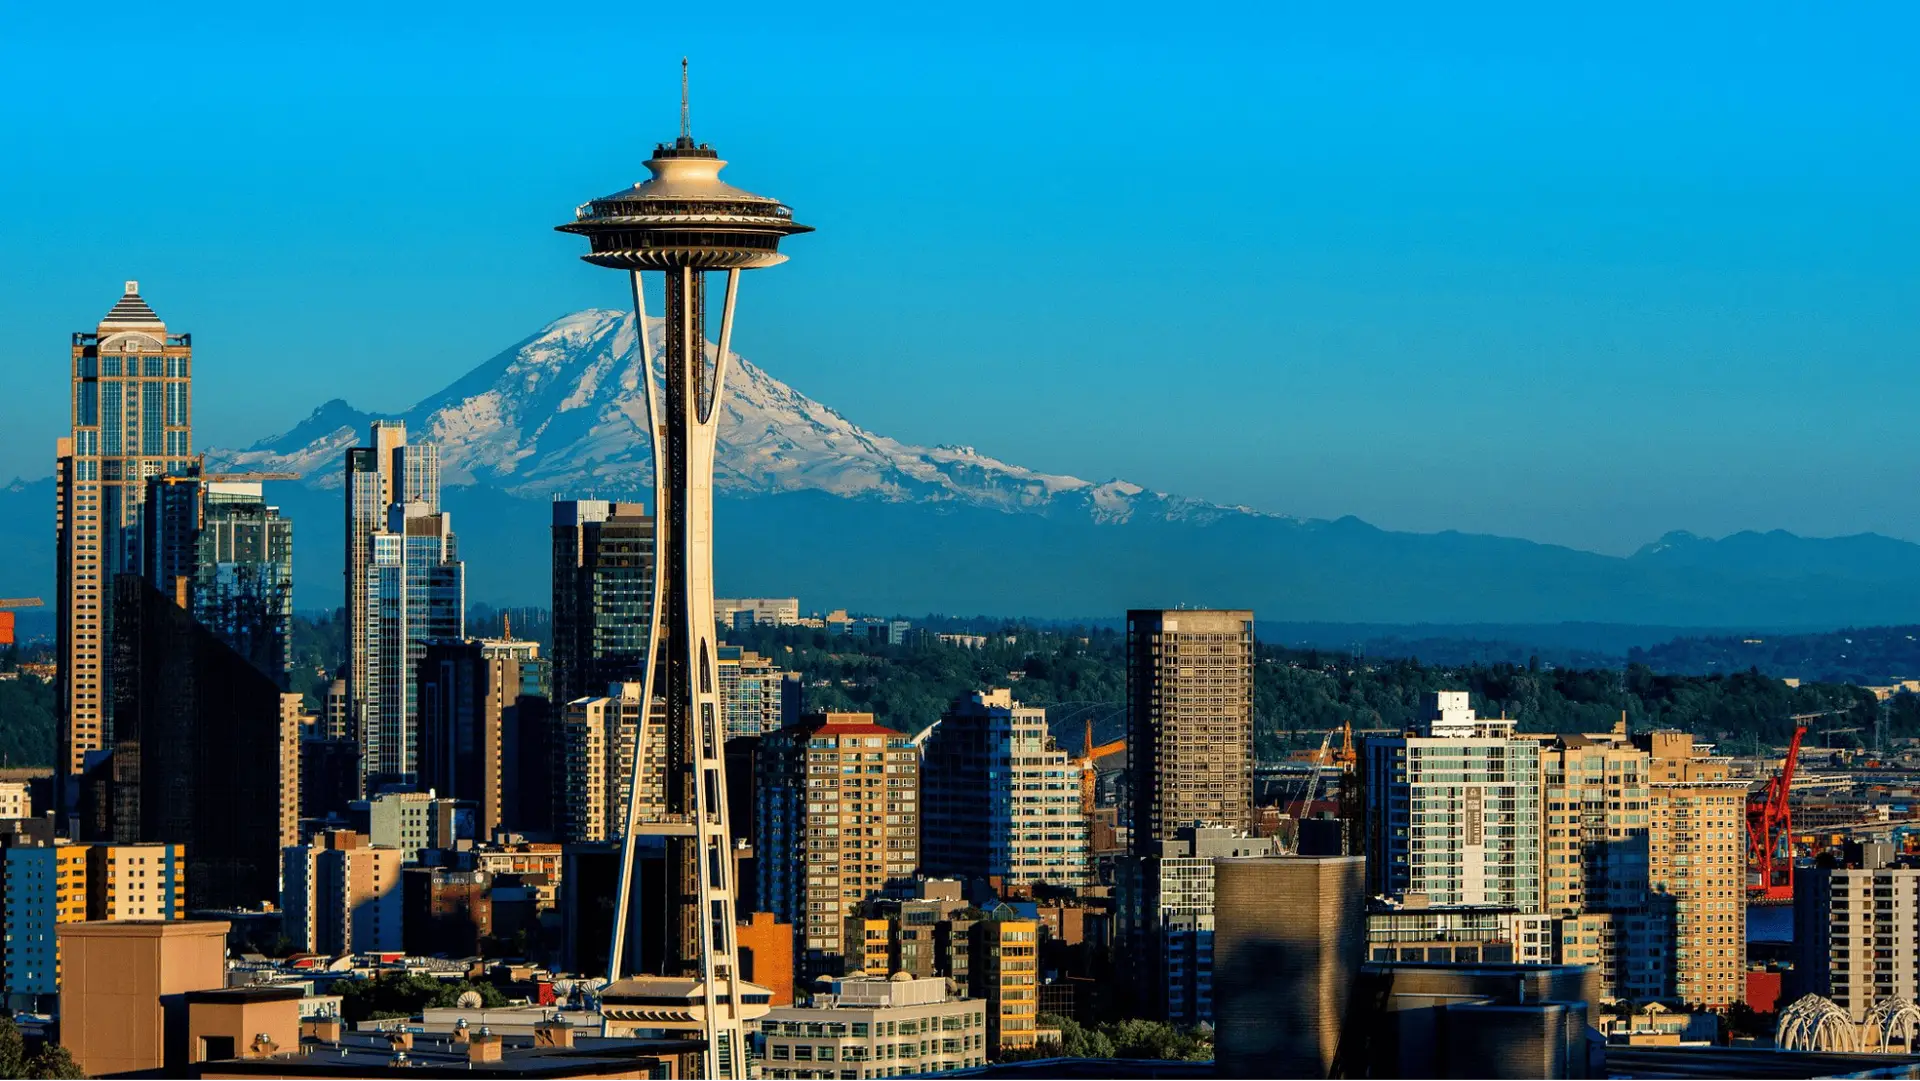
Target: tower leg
<point>683,562</point>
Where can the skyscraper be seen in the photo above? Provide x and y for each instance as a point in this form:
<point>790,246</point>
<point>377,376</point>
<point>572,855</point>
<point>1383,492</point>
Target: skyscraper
<point>756,696</point>
<point>685,222</point>
<point>999,799</point>
<point>1189,722</point>
<point>474,697</point>
<point>1454,811</point>
<point>132,415</point>
<point>416,593</point>
<point>839,803</point>
<point>599,738</point>
<point>1693,937</point>
<point>205,734</point>
<point>603,573</point>
<point>393,475</point>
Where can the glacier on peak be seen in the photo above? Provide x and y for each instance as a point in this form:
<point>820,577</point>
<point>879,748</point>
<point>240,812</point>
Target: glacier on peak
<point>563,412</point>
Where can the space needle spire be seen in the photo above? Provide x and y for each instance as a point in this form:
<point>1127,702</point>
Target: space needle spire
<point>685,223</point>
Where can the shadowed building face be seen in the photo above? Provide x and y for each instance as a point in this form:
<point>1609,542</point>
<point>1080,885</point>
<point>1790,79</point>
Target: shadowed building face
<point>1289,933</point>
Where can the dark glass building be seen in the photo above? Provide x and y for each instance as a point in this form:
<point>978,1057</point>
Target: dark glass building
<point>205,736</point>
<point>473,697</point>
<point>602,595</point>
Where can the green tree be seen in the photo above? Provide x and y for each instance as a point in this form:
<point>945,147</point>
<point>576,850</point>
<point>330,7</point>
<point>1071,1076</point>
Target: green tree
<point>53,1063</point>
<point>13,1049</point>
<point>403,994</point>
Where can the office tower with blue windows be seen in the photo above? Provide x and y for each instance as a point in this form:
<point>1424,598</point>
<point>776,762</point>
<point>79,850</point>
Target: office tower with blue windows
<point>405,586</point>
<point>29,907</point>
<point>132,418</point>
<point>416,593</point>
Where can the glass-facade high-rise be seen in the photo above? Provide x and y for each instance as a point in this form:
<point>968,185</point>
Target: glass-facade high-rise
<point>415,593</point>
<point>205,748</point>
<point>602,595</point>
<point>132,417</point>
<point>405,585</point>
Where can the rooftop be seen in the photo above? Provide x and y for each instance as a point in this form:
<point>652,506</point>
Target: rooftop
<point>131,311</point>
<point>368,1054</point>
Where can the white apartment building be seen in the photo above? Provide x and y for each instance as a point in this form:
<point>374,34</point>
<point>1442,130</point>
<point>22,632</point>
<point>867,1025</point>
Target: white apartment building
<point>1455,810</point>
<point>875,1027</point>
<point>1857,935</point>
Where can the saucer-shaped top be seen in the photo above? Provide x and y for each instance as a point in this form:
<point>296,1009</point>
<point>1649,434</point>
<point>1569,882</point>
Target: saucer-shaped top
<point>684,215</point>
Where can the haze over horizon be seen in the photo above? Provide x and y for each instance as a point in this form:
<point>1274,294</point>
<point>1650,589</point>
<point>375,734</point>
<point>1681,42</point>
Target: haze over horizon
<point>1579,280</point>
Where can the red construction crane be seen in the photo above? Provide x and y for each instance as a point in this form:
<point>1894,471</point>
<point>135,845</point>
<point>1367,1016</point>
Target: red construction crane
<point>1770,825</point>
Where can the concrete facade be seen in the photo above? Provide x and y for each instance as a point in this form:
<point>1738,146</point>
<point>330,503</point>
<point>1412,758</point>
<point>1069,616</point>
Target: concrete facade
<point>871,1027</point>
<point>839,819</point>
<point>124,986</point>
<point>1289,934</point>
<point>1189,721</point>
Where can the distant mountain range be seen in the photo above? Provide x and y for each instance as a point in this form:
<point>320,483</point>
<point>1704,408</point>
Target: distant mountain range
<point>814,505</point>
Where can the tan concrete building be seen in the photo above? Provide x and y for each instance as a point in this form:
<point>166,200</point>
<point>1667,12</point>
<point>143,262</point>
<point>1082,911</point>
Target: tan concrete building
<point>1189,722</point>
<point>242,1022</point>
<point>15,800</point>
<point>136,882</point>
<point>870,1027</point>
<point>132,415</point>
<point>1006,974</point>
<point>597,745</point>
<point>341,894</point>
<point>1697,869</point>
<point>839,798</point>
<point>1596,823</point>
<point>123,990</point>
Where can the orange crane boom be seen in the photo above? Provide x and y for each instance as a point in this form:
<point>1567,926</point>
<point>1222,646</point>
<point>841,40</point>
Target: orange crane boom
<point>1088,776</point>
<point>6,615</point>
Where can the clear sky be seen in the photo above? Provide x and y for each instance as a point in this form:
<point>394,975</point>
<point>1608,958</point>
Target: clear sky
<point>1578,277</point>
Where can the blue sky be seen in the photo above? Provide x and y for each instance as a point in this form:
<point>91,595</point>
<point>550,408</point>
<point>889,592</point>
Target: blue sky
<point>1579,277</point>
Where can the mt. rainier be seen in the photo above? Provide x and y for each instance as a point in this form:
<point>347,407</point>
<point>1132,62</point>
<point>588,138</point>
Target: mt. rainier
<point>564,412</point>
<point>814,505</point>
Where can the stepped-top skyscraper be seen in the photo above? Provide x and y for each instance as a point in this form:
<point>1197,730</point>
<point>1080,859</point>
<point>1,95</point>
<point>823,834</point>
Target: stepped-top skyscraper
<point>684,221</point>
<point>406,586</point>
<point>132,414</point>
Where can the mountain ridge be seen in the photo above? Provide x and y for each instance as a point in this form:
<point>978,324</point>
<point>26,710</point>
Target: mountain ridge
<point>814,504</point>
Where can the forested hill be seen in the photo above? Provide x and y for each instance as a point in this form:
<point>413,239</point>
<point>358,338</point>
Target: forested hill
<point>1300,694</point>
<point>1874,656</point>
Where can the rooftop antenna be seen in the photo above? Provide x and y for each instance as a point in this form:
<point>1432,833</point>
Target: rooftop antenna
<point>686,129</point>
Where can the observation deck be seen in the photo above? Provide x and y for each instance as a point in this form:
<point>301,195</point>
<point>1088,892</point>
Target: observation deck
<point>684,215</point>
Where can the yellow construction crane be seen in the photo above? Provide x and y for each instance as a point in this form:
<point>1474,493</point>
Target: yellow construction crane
<point>7,604</point>
<point>1088,775</point>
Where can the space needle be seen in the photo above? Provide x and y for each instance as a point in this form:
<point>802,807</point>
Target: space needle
<point>685,222</point>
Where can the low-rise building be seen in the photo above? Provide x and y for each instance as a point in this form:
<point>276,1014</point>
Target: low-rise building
<point>871,1027</point>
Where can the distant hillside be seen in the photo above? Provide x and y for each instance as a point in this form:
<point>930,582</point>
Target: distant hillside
<point>1874,656</point>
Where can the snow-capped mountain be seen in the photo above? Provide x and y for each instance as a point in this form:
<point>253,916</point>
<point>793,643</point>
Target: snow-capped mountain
<point>564,411</point>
